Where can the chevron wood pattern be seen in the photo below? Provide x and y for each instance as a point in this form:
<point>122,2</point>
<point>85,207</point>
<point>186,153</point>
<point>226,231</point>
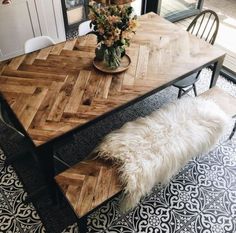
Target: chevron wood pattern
<point>88,184</point>
<point>57,88</point>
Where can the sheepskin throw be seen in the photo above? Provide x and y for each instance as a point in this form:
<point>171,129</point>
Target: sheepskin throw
<point>152,149</point>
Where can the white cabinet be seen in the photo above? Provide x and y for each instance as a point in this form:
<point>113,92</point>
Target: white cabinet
<point>18,22</point>
<point>51,19</point>
<point>24,19</point>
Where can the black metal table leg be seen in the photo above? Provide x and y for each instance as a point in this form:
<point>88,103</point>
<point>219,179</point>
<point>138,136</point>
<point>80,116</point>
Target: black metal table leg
<point>216,71</point>
<point>46,163</point>
<point>82,224</point>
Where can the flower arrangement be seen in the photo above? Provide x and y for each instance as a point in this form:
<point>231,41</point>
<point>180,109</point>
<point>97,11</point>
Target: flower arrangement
<point>114,26</point>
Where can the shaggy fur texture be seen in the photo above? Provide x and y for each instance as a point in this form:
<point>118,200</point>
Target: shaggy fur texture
<point>152,149</point>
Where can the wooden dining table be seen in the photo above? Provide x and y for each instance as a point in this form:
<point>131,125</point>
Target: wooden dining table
<point>56,91</point>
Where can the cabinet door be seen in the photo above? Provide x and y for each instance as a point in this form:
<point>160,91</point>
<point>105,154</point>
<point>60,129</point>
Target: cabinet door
<point>51,19</point>
<point>18,23</point>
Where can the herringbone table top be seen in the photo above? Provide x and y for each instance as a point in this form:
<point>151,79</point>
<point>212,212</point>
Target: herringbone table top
<point>57,88</point>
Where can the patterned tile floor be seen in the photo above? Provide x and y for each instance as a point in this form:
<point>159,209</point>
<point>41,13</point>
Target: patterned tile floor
<point>14,215</point>
<point>201,198</point>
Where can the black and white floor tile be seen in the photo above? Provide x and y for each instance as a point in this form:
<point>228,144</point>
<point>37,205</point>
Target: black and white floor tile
<point>15,216</point>
<point>200,199</point>
<point>72,34</point>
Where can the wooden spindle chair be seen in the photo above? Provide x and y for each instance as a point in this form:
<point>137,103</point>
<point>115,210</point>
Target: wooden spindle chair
<point>204,26</point>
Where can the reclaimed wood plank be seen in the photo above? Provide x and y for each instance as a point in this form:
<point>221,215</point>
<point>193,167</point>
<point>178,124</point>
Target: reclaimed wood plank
<point>33,75</point>
<point>31,108</point>
<point>56,50</point>
<point>78,92</point>
<point>16,62</point>
<point>70,44</point>
<point>43,54</point>
<point>29,59</point>
<point>89,183</point>
<point>62,99</point>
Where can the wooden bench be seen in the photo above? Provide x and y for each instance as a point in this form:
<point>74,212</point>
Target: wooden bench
<point>226,101</point>
<point>91,182</point>
<point>88,184</point>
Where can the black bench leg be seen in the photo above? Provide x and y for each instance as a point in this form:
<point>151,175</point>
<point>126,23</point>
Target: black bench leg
<point>180,93</point>
<point>233,131</point>
<point>195,89</point>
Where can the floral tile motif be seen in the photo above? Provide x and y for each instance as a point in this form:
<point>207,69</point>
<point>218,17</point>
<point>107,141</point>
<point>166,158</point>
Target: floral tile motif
<point>15,216</point>
<point>106,216</point>
<point>200,199</point>
<point>121,226</point>
<point>150,218</point>
<point>71,229</point>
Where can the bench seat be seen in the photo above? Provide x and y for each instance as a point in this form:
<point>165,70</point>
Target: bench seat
<point>91,182</point>
<point>88,184</point>
<point>226,101</point>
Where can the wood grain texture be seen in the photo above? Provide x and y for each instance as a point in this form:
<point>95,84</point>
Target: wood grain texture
<point>58,88</point>
<point>88,184</point>
<point>223,99</point>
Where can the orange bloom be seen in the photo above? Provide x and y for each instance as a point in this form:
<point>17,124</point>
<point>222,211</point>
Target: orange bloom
<point>92,16</point>
<point>126,35</point>
<point>113,19</point>
<point>133,24</point>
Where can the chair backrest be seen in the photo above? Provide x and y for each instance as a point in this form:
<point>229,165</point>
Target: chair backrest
<point>84,28</point>
<point>205,26</point>
<point>37,43</point>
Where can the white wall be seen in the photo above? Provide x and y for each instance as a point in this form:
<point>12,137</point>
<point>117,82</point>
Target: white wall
<point>137,5</point>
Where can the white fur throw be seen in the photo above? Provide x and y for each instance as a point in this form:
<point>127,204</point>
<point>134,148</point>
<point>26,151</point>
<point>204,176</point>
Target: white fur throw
<point>152,149</point>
